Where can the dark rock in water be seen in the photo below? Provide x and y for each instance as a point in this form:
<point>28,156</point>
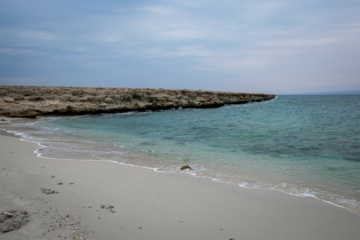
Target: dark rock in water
<point>12,220</point>
<point>185,167</point>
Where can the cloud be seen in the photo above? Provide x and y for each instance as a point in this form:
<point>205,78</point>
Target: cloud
<point>350,28</point>
<point>110,37</point>
<point>20,81</point>
<point>227,61</point>
<point>188,51</point>
<point>168,29</point>
<point>300,42</point>
<point>12,51</point>
<point>162,10</point>
<point>180,33</point>
<point>193,51</point>
<point>37,35</point>
<point>238,63</point>
<point>279,39</point>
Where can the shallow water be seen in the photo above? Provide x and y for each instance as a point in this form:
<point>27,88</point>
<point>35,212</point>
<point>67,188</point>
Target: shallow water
<point>302,145</point>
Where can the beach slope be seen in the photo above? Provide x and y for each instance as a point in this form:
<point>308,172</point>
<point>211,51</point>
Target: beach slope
<point>103,200</point>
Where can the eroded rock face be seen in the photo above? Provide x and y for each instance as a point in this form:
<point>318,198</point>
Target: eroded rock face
<point>28,101</point>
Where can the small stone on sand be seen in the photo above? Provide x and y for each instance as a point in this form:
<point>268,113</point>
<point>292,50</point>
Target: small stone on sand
<point>48,191</point>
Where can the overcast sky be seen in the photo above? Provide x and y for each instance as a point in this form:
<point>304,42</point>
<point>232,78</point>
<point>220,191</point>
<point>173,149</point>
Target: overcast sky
<point>233,45</point>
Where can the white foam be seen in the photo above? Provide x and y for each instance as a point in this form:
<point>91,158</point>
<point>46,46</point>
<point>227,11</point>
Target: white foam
<point>298,191</point>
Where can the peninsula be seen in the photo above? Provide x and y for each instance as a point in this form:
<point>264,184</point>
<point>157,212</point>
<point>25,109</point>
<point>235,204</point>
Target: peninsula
<point>33,101</point>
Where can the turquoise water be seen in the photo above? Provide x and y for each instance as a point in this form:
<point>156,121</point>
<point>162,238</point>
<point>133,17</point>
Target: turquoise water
<point>302,145</point>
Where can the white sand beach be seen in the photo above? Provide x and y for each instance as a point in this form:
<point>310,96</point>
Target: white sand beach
<point>103,200</point>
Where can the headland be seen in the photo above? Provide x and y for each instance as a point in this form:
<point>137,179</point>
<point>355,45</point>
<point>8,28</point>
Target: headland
<point>33,101</point>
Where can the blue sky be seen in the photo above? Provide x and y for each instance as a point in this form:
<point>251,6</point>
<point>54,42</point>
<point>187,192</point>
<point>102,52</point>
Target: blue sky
<point>279,46</point>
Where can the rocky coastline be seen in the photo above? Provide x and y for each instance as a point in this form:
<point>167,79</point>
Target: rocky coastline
<point>33,101</point>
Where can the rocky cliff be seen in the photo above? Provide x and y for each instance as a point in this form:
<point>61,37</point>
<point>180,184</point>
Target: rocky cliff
<point>26,101</point>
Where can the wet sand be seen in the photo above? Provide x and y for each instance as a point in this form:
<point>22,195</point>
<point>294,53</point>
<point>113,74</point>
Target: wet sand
<point>103,200</point>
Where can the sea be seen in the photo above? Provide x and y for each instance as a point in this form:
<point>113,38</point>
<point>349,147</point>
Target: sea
<point>306,146</point>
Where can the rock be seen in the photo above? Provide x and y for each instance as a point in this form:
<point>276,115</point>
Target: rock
<point>27,113</point>
<point>91,99</point>
<point>9,214</point>
<point>185,167</point>
<point>12,220</point>
<point>109,207</point>
<point>48,191</point>
<point>78,92</point>
<point>100,98</point>
<point>3,92</point>
<point>84,99</point>
<point>30,102</point>
<point>27,92</point>
<point>65,98</point>
<point>9,100</point>
<point>35,98</point>
<point>18,97</point>
<point>109,100</point>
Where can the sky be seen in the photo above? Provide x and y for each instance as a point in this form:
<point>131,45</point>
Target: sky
<point>279,46</point>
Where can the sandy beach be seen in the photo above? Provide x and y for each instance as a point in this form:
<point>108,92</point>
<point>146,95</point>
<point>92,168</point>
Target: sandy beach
<point>66,199</point>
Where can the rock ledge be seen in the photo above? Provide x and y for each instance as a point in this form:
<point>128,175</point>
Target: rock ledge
<point>30,102</point>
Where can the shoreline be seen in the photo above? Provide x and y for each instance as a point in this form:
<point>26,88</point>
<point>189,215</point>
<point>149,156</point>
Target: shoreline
<point>152,205</point>
<point>296,190</point>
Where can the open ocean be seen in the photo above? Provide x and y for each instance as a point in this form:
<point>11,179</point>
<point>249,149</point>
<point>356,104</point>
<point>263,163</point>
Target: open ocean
<point>308,146</point>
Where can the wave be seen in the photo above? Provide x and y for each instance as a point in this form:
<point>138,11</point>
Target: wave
<point>306,191</point>
<point>252,145</point>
